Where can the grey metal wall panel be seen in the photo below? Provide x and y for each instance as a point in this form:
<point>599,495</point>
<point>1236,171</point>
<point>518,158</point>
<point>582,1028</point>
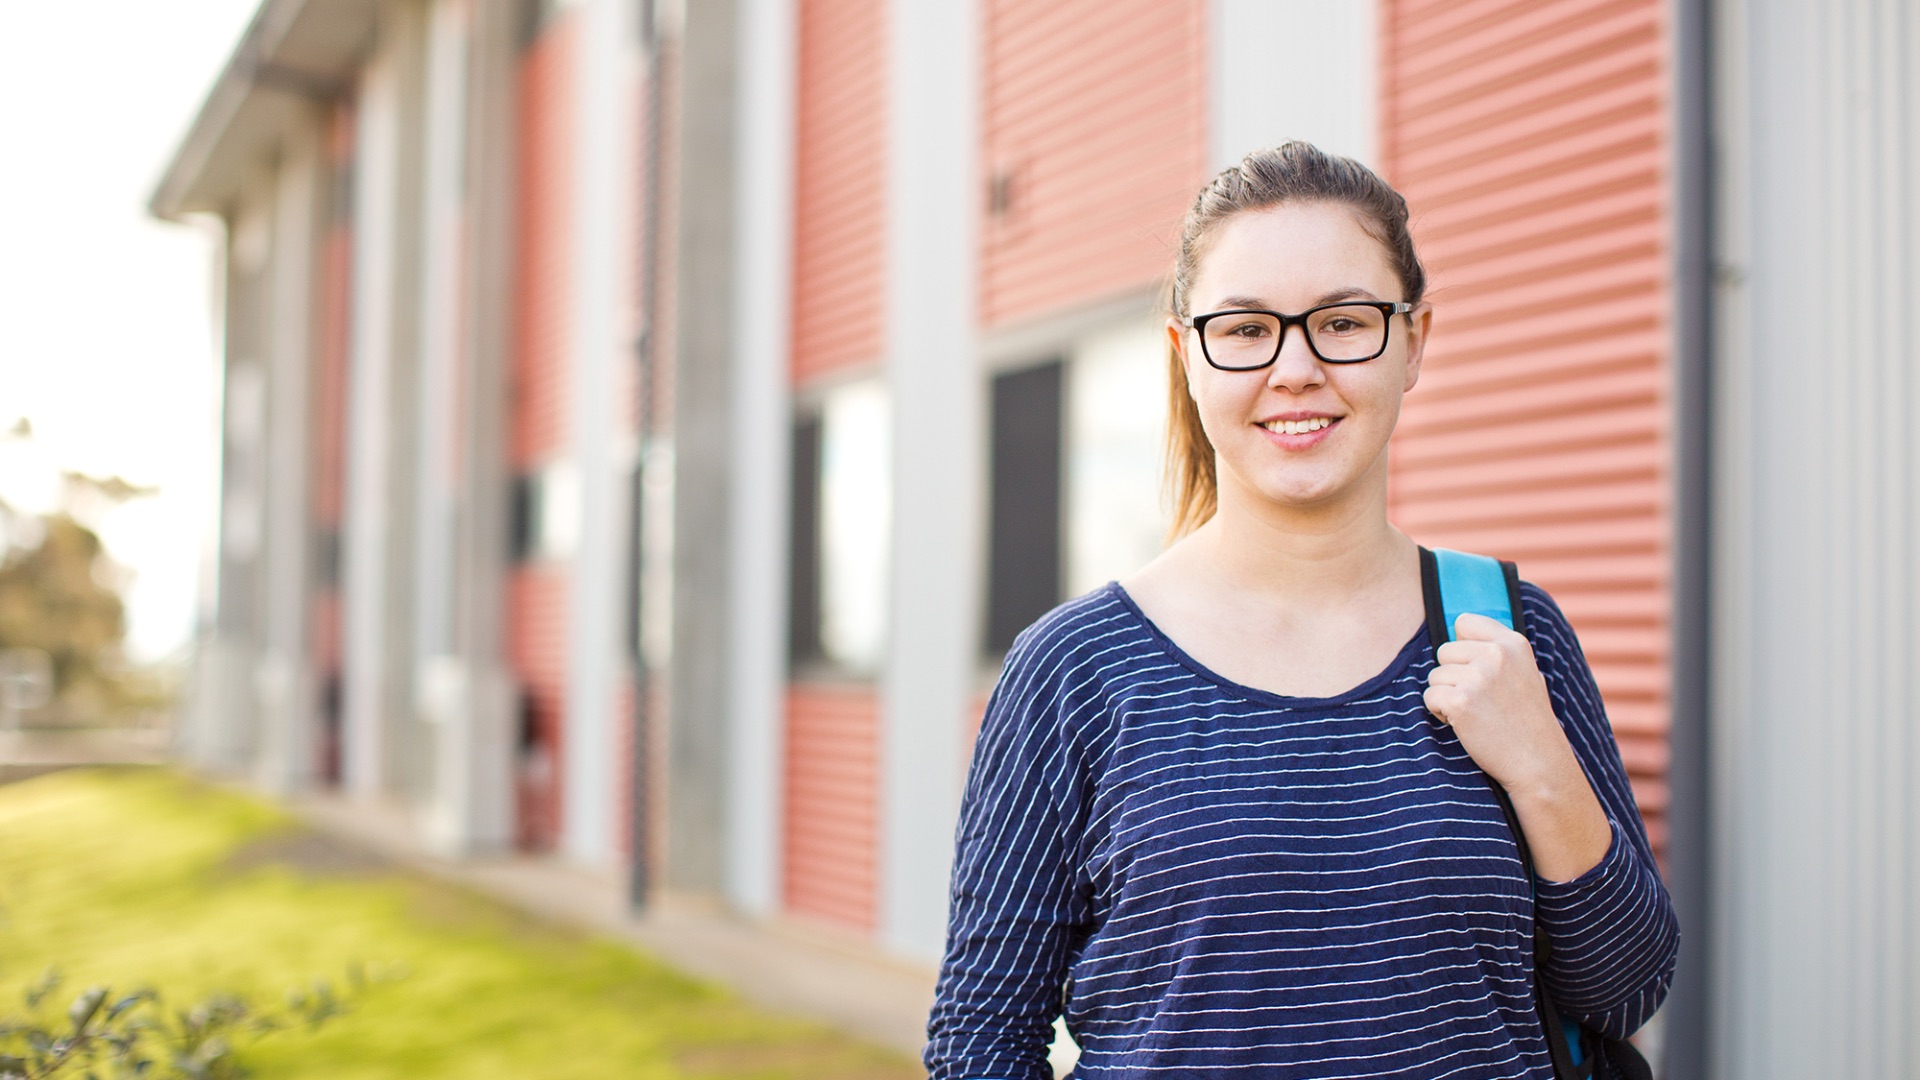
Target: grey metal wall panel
<point>1817,510</point>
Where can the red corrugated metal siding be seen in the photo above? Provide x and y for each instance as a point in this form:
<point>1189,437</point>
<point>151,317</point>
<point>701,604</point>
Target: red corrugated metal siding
<point>830,841</point>
<point>323,626</point>
<point>543,341</point>
<point>323,623</point>
<point>537,649</point>
<point>1094,122</point>
<point>328,468</point>
<point>330,405</point>
<point>1530,138</point>
<point>840,177</point>
<point>544,244</point>
<point>832,804</point>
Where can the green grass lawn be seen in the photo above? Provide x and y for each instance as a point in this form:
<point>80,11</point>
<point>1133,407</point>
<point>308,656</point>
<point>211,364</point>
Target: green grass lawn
<point>136,877</point>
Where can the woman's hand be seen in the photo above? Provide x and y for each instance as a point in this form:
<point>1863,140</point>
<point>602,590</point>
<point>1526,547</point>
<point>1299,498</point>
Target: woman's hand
<point>1488,688</point>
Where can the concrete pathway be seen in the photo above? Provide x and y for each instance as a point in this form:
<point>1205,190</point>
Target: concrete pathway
<point>29,752</point>
<point>785,966</point>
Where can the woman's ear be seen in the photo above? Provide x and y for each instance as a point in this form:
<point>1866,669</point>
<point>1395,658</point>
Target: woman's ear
<point>1177,346</point>
<point>1419,323</point>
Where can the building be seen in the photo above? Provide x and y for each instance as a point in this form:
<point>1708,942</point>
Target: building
<point>647,423</point>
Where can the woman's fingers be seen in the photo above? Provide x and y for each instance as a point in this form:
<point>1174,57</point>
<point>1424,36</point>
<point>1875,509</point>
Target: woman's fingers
<point>1466,652</point>
<point>1440,700</point>
<point>1472,627</point>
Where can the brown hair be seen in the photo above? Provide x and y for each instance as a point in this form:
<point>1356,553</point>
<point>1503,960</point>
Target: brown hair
<point>1292,172</point>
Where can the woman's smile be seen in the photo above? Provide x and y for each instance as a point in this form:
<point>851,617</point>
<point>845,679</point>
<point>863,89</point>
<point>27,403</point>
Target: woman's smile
<point>1299,431</point>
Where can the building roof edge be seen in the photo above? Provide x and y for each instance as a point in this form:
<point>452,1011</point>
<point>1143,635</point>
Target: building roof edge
<point>293,55</point>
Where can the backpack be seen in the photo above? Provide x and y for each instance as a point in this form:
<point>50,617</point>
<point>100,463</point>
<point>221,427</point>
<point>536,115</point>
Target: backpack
<point>1454,583</point>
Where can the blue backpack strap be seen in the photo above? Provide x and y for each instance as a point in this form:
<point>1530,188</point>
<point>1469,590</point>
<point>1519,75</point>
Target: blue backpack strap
<point>1457,583</point>
<point>1454,583</point>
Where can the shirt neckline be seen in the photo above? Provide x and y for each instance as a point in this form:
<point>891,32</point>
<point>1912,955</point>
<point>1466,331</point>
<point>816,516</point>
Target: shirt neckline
<point>1394,670</point>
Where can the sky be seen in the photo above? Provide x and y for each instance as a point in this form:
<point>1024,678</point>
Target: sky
<point>106,321</point>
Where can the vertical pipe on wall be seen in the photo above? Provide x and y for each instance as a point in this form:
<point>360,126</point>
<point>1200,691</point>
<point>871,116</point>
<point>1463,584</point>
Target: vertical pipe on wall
<point>647,356</point>
<point>1732,610</point>
<point>1688,853</point>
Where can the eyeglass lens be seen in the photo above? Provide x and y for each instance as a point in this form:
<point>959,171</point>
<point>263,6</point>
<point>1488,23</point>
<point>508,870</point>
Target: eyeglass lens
<point>1251,339</point>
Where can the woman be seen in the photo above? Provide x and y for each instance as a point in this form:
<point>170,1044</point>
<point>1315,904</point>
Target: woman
<point>1232,812</point>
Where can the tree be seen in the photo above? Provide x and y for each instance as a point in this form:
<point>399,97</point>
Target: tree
<point>52,598</point>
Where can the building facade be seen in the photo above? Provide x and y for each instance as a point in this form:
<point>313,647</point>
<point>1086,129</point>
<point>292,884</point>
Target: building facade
<point>647,424</point>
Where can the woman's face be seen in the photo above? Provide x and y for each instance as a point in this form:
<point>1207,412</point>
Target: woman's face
<point>1290,258</point>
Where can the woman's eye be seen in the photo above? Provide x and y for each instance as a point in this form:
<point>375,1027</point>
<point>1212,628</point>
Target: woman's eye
<point>1248,330</point>
<point>1339,324</point>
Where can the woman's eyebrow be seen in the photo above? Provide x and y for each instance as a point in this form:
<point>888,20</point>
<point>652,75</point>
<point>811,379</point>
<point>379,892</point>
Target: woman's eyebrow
<point>1347,293</point>
<point>1229,303</point>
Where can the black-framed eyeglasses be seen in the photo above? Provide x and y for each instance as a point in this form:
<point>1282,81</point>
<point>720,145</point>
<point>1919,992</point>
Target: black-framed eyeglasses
<point>1247,339</point>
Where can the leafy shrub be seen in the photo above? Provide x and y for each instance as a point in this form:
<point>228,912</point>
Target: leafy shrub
<point>136,1035</point>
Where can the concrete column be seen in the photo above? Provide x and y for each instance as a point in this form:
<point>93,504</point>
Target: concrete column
<point>286,687</point>
<point>932,370</point>
<point>762,415</point>
<point>705,449</point>
<point>603,449</point>
<point>1292,69</point>
<point>382,754</point>
<point>225,706</point>
<point>470,687</point>
<point>1814,818</point>
<point>438,421</point>
<point>462,691</point>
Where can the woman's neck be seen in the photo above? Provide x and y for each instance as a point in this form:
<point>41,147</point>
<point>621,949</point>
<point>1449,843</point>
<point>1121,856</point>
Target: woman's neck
<point>1304,554</point>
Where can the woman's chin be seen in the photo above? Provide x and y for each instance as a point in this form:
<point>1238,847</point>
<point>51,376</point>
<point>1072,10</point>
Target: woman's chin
<point>1298,493</point>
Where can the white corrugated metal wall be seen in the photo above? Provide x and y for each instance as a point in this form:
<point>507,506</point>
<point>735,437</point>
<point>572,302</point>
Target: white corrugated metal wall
<point>1816,513</point>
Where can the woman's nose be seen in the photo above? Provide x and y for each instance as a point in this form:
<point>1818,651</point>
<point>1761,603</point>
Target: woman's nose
<point>1295,368</point>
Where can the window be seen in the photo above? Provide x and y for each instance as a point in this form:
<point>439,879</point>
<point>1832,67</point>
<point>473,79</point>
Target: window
<point>1076,447</point>
<point>842,530</point>
<point>544,513</point>
<point>1116,407</point>
<point>1023,562</point>
<point>803,578</point>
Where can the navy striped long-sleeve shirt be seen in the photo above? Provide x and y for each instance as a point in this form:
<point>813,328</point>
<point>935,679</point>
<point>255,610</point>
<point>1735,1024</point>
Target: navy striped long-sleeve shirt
<point>1206,877</point>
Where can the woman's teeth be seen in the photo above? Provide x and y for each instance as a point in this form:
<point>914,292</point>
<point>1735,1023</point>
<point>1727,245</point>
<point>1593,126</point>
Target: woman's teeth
<point>1297,427</point>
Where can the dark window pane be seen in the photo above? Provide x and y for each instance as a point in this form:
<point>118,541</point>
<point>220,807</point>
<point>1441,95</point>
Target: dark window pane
<point>1023,574</point>
<point>803,601</point>
<point>523,517</point>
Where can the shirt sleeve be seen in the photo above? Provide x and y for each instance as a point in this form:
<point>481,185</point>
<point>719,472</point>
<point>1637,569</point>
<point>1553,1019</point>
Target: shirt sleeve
<point>1612,931</point>
<point>1018,902</point>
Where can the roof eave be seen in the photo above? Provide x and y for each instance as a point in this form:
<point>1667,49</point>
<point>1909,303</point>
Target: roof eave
<point>295,54</point>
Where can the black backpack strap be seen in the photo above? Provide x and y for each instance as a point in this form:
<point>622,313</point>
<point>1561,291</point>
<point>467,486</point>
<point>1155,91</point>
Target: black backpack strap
<point>1437,629</point>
